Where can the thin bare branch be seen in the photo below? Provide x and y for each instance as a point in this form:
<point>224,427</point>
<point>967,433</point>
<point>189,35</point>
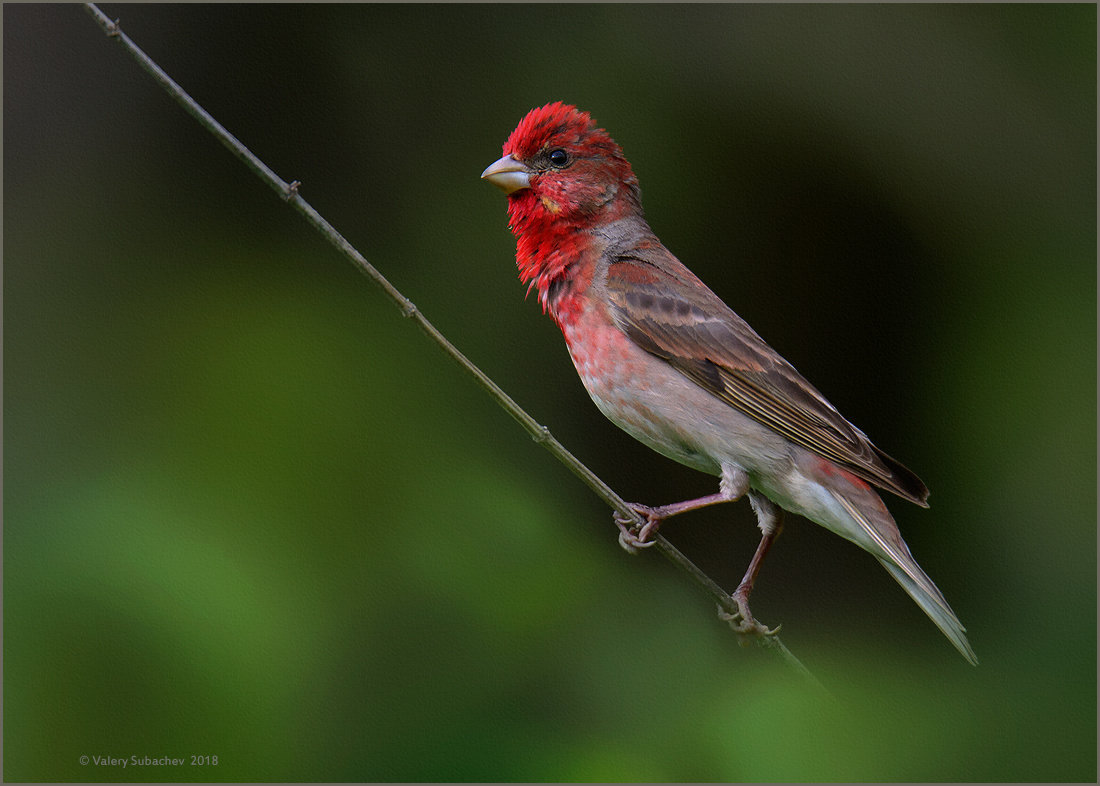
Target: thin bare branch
<point>541,434</point>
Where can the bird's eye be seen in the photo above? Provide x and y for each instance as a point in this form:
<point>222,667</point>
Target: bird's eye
<point>558,158</point>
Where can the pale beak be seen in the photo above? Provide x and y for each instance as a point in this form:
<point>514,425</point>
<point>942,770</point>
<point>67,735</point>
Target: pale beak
<point>508,175</point>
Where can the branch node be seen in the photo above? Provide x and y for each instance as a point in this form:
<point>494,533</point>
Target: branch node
<point>291,190</point>
<point>542,435</point>
<point>113,29</point>
<point>408,308</point>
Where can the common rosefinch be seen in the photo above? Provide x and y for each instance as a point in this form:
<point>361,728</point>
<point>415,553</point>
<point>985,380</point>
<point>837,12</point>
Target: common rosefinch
<point>671,364</point>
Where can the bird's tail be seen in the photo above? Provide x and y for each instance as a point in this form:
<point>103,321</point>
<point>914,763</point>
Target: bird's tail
<point>934,606</point>
<point>878,533</point>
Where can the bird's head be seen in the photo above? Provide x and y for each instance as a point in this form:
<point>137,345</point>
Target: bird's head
<point>562,172</point>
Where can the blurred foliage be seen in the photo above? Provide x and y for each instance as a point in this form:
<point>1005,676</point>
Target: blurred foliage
<point>251,513</point>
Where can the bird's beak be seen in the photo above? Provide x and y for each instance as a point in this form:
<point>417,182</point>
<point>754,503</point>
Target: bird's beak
<point>508,175</point>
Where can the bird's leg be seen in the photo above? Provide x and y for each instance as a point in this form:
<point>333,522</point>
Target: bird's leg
<point>732,485</point>
<point>769,517</point>
<point>632,537</point>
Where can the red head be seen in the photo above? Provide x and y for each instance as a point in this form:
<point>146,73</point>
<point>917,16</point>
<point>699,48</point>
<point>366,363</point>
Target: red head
<point>562,173</point>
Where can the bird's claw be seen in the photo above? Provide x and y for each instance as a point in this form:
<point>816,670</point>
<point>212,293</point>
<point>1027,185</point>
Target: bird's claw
<point>631,536</point>
<point>744,624</point>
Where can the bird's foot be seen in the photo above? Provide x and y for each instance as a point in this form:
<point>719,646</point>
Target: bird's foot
<point>742,621</point>
<point>633,537</point>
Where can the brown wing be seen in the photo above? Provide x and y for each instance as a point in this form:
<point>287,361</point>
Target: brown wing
<point>669,312</point>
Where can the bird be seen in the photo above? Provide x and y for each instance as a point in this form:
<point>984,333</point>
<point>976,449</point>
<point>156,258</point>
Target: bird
<point>666,360</point>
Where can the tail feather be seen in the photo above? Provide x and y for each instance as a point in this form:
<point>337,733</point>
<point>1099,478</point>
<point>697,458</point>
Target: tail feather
<point>935,607</point>
<point>883,539</point>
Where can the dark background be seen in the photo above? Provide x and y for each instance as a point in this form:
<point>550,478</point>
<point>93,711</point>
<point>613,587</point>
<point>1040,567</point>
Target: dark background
<point>251,513</point>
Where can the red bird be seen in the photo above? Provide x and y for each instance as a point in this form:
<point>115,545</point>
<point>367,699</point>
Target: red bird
<point>672,365</point>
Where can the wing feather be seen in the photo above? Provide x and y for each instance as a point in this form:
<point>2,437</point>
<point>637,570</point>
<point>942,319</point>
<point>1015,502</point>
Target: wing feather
<point>669,312</point>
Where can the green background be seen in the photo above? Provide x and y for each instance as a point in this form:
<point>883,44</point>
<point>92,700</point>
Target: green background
<point>252,513</point>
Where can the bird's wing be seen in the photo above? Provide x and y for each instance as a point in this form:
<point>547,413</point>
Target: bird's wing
<point>665,309</point>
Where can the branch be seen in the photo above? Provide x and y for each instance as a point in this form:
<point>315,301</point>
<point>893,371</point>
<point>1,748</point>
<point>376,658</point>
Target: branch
<point>541,434</point>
